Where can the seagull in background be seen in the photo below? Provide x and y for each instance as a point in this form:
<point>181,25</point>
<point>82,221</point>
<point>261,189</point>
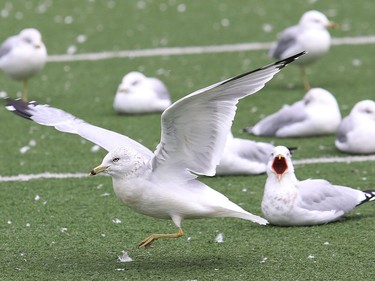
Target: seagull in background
<point>316,114</point>
<point>22,56</point>
<point>290,202</point>
<point>139,94</point>
<point>244,157</point>
<point>356,132</point>
<point>309,35</point>
<point>164,184</point>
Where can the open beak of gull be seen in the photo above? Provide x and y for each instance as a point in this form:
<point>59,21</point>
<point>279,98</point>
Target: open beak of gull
<point>279,166</point>
<point>98,170</point>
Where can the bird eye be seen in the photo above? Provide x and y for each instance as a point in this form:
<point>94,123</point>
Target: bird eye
<point>115,159</point>
<point>27,40</point>
<point>135,82</point>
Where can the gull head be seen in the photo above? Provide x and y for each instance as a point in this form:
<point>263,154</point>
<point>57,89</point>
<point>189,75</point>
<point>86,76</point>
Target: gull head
<point>33,37</point>
<point>316,19</point>
<point>319,96</point>
<point>280,162</point>
<point>364,109</point>
<point>130,81</point>
<point>120,162</point>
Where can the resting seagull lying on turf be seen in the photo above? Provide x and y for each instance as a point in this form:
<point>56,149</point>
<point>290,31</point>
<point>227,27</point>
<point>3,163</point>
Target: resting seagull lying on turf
<point>316,114</point>
<point>139,94</point>
<point>288,201</point>
<point>244,157</point>
<point>356,132</point>
<point>164,184</point>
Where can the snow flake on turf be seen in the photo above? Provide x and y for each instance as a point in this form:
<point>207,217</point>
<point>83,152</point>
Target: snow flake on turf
<point>95,148</point>
<point>263,260</point>
<point>326,243</point>
<point>116,221</point>
<point>219,238</point>
<point>267,27</point>
<point>72,49</point>
<point>3,94</point>
<point>311,257</point>
<point>356,62</point>
<point>63,229</point>
<point>81,38</point>
<point>124,257</point>
<point>181,8</point>
<point>37,198</point>
<point>24,149</point>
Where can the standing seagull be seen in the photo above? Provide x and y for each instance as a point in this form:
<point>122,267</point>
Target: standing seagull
<point>164,184</point>
<point>356,132</point>
<point>139,94</point>
<point>288,201</point>
<point>316,114</point>
<point>309,35</point>
<point>22,56</point>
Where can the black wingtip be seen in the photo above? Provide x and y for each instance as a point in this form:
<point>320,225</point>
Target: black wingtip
<point>370,196</point>
<point>19,107</point>
<point>284,62</point>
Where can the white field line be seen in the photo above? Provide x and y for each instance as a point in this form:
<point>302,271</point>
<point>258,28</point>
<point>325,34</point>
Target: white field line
<point>194,50</point>
<point>46,175</point>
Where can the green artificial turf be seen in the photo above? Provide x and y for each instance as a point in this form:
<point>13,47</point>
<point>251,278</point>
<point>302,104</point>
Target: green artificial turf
<point>63,229</point>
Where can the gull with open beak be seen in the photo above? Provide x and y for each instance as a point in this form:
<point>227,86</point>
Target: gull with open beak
<point>288,201</point>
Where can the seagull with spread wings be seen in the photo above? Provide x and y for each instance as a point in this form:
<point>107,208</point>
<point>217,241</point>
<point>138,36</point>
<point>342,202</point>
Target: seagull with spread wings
<point>164,184</point>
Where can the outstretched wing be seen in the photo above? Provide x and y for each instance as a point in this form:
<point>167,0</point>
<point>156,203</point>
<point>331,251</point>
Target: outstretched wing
<point>68,123</point>
<point>195,128</point>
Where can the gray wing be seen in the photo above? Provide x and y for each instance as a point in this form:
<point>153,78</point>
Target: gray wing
<point>344,128</point>
<point>286,39</point>
<point>286,116</point>
<point>7,46</point>
<point>254,151</point>
<point>320,195</point>
<point>195,128</point>
<point>160,88</point>
<point>68,123</point>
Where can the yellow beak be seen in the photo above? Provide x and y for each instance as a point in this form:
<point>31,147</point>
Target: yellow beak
<point>333,25</point>
<point>98,170</point>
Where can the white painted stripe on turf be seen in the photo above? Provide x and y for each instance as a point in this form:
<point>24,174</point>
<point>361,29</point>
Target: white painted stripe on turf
<point>23,177</point>
<point>347,159</point>
<point>194,50</point>
<point>322,160</point>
